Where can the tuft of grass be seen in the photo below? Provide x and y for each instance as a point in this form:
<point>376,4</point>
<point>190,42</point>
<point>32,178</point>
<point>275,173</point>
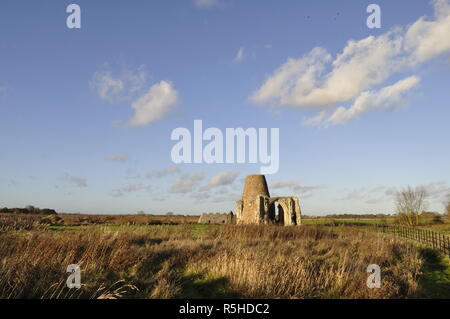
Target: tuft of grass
<point>435,281</point>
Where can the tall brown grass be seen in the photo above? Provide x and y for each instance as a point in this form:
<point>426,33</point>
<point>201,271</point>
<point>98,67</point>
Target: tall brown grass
<point>173,261</point>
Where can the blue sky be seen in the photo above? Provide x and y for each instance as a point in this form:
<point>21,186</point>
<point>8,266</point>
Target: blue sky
<point>87,113</point>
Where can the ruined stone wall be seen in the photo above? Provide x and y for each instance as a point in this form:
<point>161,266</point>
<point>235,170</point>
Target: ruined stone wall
<point>216,218</point>
<point>257,207</point>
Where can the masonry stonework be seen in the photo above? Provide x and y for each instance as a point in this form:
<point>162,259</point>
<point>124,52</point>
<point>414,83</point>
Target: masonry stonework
<point>257,207</point>
<point>217,218</point>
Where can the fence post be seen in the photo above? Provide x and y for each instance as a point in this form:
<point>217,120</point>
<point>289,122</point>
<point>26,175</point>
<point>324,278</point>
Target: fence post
<point>438,241</point>
<point>434,239</point>
<point>448,245</point>
<point>436,235</point>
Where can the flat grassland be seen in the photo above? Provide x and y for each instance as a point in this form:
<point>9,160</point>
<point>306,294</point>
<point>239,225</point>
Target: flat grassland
<point>172,257</point>
<point>441,226</point>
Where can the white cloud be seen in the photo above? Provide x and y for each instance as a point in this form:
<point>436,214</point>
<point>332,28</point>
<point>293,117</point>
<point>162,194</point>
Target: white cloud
<point>155,104</point>
<point>239,56</point>
<point>315,120</point>
<point>128,189</point>
<point>436,190</point>
<point>358,194</point>
<point>118,88</point>
<point>75,180</point>
<point>426,39</point>
<point>163,173</point>
<point>320,82</point>
<point>149,106</point>
<point>229,198</point>
<point>296,76</point>
<point>389,97</point>
<point>377,189</point>
<point>108,87</point>
<point>370,197</point>
<point>223,178</point>
<point>187,182</point>
<point>283,184</point>
<point>205,3</point>
<point>117,158</point>
<point>200,197</point>
<point>295,187</point>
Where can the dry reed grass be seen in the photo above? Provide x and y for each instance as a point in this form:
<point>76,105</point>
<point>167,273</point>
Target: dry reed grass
<point>204,261</point>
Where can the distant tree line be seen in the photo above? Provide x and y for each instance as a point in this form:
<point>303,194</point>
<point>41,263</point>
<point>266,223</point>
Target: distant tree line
<point>28,210</point>
<point>351,216</point>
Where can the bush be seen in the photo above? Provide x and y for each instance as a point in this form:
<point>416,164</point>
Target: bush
<point>28,210</point>
<point>438,219</point>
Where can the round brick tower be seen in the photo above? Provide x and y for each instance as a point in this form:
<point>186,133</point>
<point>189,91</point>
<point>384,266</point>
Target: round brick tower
<point>255,185</point>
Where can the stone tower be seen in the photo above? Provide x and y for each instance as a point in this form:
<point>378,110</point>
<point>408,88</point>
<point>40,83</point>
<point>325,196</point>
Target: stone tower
<point>255,185</point>
<point>257,207</point>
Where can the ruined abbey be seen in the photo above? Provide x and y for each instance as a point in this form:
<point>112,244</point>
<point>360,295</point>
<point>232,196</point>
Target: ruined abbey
<point>257,207</point>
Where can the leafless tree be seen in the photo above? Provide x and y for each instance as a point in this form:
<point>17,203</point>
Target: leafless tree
<point>447,207</point>
<point>410,204</point>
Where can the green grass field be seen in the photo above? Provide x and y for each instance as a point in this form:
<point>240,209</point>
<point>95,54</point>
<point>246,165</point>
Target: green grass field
<point>429,224</point>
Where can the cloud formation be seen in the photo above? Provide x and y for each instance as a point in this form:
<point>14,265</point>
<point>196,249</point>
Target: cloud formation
<point>187,182</point>
<point>118,88</point>
<point>357,74</point>
<point>117,158</point>
<point>389,97</point>
<point>149,106</point>
<point>295,187</point>
<point>163,173</point>
<point>200,197</point>
<point>154,105</point>
<point>436,191</point>
<point>239,56</point>
<point>127,189</point>
<point>223,178</point>
<point>75,180</point>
